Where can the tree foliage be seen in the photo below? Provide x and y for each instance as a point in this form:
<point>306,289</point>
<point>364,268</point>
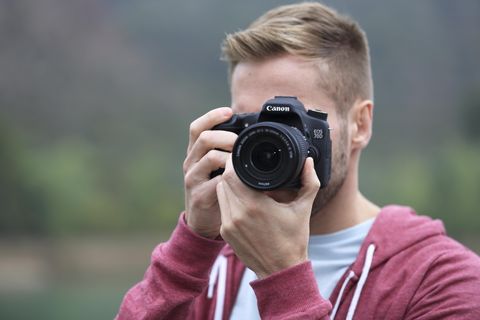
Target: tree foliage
<point>96,98</point>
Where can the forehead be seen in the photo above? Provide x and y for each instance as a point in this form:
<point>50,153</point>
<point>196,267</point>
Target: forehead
<point>254,82</point>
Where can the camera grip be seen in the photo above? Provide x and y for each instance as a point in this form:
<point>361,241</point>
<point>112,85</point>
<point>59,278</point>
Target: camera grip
<point>231,125</point>
<point>217,172</point>
<point>237,122</point>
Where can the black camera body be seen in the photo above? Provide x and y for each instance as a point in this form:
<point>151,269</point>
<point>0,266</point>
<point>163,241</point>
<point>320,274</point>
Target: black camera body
<point>273,144</point>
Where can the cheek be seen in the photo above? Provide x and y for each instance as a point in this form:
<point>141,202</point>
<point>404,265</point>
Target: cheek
<point>337,134</point>
<point>340,139</point>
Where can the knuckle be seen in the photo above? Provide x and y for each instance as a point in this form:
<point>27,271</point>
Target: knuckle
<point>204,137</point>
<point>236,222</point>
<point>226,229</point>
<point>229,175</point>
<point>189,181</point>
<point>214,157</point>
<point>251,206</point>
<point>194,128</point>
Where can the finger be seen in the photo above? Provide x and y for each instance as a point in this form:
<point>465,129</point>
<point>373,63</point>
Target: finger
<point>206,122</point>
<point>222,197</point>
<point>310,182</point>
<point>223,203</point>
<point>202,197</point>
<point>207,141</point>
<point>200,171</point>
<point>210,185</point>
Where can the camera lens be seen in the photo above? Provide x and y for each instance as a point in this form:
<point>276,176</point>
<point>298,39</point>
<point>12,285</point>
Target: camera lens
<point>265,157</point>
<point>269,155</point>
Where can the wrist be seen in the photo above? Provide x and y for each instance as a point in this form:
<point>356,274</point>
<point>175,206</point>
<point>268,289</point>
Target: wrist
<point>203,231</point>
<point>271,269</point>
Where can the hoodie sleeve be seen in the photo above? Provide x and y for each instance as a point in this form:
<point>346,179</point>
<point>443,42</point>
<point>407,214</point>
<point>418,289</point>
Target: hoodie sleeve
<point>291,294</point>
<point>450,289</point>
<point>178,273</point>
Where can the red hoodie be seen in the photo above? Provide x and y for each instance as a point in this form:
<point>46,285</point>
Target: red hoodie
<point>407,268</point>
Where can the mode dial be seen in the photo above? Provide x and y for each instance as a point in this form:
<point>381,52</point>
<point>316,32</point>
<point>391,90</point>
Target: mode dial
<point>318,114</point>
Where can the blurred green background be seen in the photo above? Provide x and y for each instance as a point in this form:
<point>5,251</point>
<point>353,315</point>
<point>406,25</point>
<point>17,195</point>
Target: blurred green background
<point>95,101</point>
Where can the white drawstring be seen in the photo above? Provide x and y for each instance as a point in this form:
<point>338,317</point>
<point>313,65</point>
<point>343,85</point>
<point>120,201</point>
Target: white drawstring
<point>219,270</point>
<point>213,277</point>
<point>361,281</point>
<point>337,303</point>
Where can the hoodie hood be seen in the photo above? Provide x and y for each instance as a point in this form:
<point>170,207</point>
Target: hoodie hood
<point>396,229</point>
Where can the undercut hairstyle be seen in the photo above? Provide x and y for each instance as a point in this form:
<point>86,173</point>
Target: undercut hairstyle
<point>312,31</point>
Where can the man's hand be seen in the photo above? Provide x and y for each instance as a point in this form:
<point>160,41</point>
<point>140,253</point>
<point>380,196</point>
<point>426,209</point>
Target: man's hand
<point>207,151</point>
<point>267,235</point>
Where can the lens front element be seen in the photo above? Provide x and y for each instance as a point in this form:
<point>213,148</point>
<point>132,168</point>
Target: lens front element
<point>266,157</point>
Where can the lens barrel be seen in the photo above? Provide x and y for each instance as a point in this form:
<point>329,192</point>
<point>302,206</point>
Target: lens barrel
<point>269,155</point>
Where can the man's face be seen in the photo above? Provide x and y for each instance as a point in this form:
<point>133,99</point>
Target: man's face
<point>253,83</point>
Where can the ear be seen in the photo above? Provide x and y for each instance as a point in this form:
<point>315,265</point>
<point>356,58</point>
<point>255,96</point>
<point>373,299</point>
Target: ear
<point>361,121</point>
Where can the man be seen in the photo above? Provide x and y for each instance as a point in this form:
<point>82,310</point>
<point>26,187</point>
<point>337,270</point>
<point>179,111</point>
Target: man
<point>238,253</point>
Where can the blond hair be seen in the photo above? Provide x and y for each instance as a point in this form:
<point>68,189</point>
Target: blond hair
<point>313,31</point>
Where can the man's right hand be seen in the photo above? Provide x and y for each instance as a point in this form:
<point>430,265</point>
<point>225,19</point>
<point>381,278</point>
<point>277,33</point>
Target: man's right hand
<point>207,151</point>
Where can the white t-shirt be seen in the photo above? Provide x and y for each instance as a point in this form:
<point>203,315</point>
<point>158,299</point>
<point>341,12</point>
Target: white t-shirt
<point>330,254</point>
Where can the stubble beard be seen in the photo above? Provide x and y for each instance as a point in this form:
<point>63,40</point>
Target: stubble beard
<point>338,174</point>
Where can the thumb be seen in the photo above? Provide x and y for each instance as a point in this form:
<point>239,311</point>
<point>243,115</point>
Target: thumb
<point>309,179</point>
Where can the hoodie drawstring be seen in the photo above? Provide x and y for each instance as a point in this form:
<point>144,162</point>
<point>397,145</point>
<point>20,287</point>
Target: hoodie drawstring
<point>358,290</point>
<point>219,271</point>
<point>351,274</point>
<point>361,281</point>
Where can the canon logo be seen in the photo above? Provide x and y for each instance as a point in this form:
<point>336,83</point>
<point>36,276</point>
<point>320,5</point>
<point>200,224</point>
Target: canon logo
<point>278,108</point>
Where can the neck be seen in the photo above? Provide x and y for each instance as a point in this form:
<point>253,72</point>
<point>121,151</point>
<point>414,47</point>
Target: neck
<point>346,209</point>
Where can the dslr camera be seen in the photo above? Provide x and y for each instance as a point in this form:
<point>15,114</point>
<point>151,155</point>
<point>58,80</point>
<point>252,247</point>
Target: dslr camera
<point>273,144</point>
